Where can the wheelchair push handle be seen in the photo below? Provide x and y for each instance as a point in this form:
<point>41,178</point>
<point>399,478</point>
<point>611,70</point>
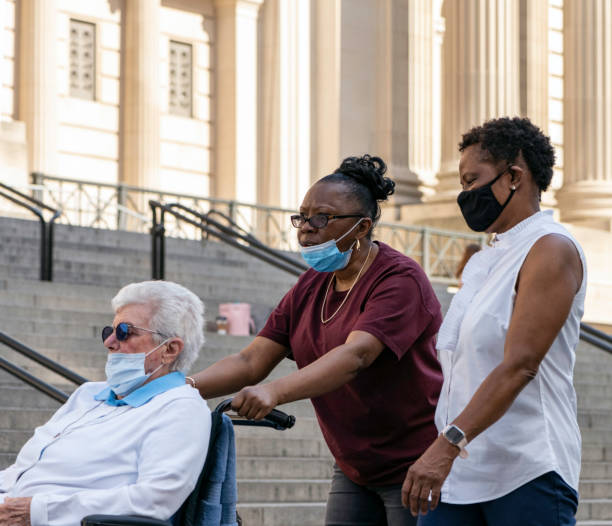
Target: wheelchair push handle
<point>275,418</point>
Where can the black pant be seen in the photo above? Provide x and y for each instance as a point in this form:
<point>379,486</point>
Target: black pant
<point>350,504</point>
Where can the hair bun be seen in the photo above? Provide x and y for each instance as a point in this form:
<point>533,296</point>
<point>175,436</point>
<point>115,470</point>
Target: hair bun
<point>369,171</point>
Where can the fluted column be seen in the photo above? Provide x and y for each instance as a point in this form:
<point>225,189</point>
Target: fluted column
<point>142,97</point>
<point>534,63</point>
<point>423,96</point>
<point>481,75</point>
<point>236,99</point>
<point>38,82</point>
<point>284,136</point>
<point>586,194</point>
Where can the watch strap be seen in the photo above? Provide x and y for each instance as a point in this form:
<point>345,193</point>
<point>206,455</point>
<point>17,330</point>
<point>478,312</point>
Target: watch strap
<point>460,444</point>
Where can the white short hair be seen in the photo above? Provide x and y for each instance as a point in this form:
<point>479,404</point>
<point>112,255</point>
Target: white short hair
<point>176,311</point>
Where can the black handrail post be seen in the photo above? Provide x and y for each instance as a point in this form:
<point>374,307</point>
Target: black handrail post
<point>43,250</point>
<point>154,255</point>
<point>162,245</point>
<point>46,229</point>
<point>158,241</point>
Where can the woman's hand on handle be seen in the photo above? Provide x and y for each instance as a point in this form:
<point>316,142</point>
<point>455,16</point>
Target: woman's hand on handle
<point>426,476</point>
<point>255,402</point>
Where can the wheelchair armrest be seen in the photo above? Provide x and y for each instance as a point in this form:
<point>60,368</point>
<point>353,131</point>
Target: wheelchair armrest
<point>122,520</point>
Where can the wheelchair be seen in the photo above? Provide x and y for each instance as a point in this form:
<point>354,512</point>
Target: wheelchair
<point>212,481</point>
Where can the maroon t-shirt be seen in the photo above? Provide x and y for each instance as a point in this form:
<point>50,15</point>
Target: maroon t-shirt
<point>379,423</point>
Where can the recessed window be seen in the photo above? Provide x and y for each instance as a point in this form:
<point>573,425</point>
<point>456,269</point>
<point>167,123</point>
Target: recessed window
<point>82,59</point>
<point>180,79</point>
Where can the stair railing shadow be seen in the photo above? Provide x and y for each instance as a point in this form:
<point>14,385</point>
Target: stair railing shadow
<point>230,233</point>
<point>46,227</point>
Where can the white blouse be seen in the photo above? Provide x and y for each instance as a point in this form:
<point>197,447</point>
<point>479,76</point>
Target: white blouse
<point>539,432</point>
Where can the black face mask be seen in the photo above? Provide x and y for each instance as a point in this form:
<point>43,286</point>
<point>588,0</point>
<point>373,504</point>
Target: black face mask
<point>479,207</point>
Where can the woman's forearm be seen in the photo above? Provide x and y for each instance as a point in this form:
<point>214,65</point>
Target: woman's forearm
<point>224,377</point>
<point>248,367</point>
<point>330,371</point>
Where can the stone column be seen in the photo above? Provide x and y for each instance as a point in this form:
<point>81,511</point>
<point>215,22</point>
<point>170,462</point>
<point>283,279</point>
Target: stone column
<point>481,75</point>
<point>38,82</point>
<point>326,72</point>
<point>586,194</point>
<point>284,136</point>
<point>534,61</point>
<point>236,99</point>
<point>140,160</point>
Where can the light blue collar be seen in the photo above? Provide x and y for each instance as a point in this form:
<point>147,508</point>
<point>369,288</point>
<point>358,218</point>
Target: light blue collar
<point>145,393</point>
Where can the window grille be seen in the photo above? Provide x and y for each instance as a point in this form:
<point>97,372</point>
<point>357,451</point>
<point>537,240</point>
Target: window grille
<point>180,79</point>
<point>82,59</point>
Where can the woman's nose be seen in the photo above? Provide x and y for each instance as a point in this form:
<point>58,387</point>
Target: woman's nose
<point>307,227</point>
<point>111,343</point>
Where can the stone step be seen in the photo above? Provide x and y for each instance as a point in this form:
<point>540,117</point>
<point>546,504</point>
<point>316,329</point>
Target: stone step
<point>24,398</point>
<point>594,509</point>
<point>599,470</point>
<point>597,452</point>
<point>78,258</point>
<point>595,419</point>
<point>293,513</point>
<point>281,447</point>
<point>217,290</point>
<point>278,467</point>
<point>595,489</point>
<point>596,403</point>
<point>283,490</point>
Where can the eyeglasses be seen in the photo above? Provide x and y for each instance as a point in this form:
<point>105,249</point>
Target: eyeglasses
<point>317,220</point>
<point>123,331</point>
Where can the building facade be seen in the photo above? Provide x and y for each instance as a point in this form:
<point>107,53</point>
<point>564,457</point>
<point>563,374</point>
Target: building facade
<point>253,100</point>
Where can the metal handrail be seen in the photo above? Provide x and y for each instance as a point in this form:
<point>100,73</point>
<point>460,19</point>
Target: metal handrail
<point>240,233</point>
<point>41,359</point>
<point>29,378</point>
<point>596,332</point>
<point>46,227</point>
<point>121,206</point>
<point>596,337</point>
<point>33,381</point>
<point>158,253</point>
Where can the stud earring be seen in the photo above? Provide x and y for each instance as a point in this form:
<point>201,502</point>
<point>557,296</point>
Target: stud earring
<point>513,187</point>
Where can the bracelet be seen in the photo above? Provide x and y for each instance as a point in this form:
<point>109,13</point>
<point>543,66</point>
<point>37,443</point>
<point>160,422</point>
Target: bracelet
<point>191,381</point>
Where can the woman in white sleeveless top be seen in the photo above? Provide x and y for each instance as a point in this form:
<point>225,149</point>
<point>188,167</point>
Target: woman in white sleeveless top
<point>509,446</point>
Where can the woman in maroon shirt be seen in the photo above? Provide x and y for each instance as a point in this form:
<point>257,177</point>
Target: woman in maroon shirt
<point>361,326</point>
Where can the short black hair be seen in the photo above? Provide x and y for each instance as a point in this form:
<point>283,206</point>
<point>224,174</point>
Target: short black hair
<point>505,138</point>
<point>365,180</point>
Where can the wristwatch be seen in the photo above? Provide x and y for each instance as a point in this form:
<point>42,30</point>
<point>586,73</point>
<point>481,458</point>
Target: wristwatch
<point>457,438</point>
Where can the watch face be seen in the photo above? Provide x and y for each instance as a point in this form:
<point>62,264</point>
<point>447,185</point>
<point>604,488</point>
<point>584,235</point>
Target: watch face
<point>454,435</point>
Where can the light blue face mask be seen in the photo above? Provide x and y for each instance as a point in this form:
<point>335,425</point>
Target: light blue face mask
<point>126,371</point>
<point>326,257</point>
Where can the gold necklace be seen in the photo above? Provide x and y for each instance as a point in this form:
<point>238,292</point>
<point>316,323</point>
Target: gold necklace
<point>323,320</point>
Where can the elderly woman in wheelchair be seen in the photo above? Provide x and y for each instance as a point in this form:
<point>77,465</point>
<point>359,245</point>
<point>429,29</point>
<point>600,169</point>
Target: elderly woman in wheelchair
<point>133,445</point>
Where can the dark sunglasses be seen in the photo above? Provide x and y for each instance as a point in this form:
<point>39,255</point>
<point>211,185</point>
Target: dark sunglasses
<point>317,220</point>
<point>123,331</point>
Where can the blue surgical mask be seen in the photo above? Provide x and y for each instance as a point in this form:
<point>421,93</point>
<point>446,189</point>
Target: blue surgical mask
<point>126,371</point>
<point>326,257</point>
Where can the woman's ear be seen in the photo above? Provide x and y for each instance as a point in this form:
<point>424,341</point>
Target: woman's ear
<point>364,227</point>
<point>516,175</point>
<point>173,349</point>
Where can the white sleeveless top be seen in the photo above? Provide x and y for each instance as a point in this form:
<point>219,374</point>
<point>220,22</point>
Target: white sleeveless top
<point>539,432</point>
